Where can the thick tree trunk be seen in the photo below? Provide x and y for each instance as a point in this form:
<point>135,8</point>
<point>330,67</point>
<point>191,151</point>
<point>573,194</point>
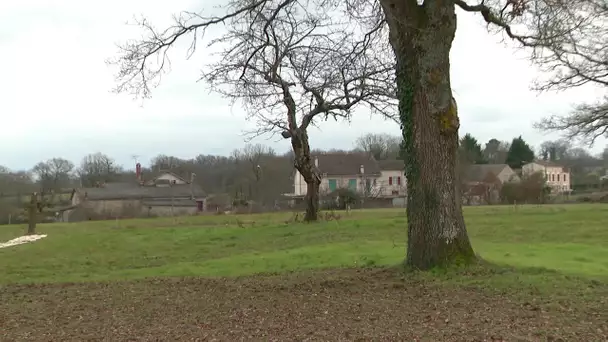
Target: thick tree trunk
<point>421,37</point>
<point>305,165</point>
<point>312,201</point>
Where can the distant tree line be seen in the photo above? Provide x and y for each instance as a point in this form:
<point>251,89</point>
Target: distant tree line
<point>257,166</point>
<point>257,172</point>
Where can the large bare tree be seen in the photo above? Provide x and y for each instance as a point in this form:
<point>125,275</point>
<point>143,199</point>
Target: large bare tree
<point>289,62</point>
<point>421,35</point>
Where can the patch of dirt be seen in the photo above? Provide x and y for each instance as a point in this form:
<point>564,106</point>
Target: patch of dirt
<point>343,305</point>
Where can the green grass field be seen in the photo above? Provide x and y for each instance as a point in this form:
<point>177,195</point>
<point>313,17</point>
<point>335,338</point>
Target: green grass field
<point>545,278</point>
<point>571,240</point>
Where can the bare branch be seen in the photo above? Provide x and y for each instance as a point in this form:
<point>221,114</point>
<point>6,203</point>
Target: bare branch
<point>282,59</point>
<point>586,123</point>
<point>569,39</point>
<point>569,43</point>
<point>136,75</point>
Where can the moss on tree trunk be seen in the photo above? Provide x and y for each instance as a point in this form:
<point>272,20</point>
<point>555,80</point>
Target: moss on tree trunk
<point>421,37</point>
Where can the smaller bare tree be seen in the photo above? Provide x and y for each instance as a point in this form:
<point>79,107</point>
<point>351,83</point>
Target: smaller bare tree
<point>290,63</point>
<point>40,205</point>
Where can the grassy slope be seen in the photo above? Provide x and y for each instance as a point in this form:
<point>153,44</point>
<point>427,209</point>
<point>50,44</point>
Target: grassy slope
<point>570,239</point>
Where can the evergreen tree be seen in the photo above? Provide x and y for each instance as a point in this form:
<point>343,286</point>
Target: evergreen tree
<point>519,154</point>
<point>470,150</point>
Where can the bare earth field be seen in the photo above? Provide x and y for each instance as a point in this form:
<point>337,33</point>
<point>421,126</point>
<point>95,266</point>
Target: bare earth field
<point>199,280</point>
<point>345,305</point>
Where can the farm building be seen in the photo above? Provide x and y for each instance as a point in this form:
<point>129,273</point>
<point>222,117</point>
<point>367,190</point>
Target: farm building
<point>166,195</point>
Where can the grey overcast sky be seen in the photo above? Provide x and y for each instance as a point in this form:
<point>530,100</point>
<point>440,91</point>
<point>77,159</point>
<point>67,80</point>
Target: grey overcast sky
<point>56,99</point>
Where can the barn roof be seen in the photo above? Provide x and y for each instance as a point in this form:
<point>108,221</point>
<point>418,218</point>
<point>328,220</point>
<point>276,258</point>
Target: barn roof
<point>479,172</point>
<point>346,164</point>
<point>135,191</point>
<point>391,165</point>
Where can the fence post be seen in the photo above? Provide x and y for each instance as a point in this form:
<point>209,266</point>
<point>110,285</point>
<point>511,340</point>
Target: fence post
<point>32,214</point>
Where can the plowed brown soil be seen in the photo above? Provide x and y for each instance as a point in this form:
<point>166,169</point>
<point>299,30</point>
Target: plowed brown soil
<point>342,305</point>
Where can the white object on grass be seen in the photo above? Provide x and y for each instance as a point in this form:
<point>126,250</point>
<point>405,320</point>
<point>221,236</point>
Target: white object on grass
<point>21,240</point>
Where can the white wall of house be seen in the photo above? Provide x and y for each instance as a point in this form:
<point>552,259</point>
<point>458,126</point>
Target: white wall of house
<point>340,182</point>
<point>169,177</point>
<point>77,198</point>
<point>299,184</point>
<point>392,183</point>
<point>555,176</point>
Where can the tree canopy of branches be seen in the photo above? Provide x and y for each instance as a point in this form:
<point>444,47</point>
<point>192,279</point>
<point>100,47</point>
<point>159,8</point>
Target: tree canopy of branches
<point>380,146</point>
<point>97,167</point>
<point>53,174</point>
<point>573,51</point>
<point>495,151</point>
<point>254,173</point>
<point>554,150</point>
<point>263,34</point>
<point>15,183</point>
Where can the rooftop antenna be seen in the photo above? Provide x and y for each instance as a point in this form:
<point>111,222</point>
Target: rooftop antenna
<point>139,177</point>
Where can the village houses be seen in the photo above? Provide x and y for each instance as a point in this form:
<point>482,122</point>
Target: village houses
<point>163,193</point>
<point>557,176</point>
<point>358,172</point>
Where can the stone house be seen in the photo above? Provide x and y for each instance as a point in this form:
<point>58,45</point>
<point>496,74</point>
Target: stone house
<point>392,179</point>
<point>557,177</point>
<point>482,182</point>
<point>381,183</point>
<point>478,173</point>
<point>356,171</point>
<point>165,195</point>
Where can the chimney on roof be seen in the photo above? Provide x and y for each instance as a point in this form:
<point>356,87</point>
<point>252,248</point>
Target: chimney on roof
<point>138,171</point>
<point>192,175</point>
<point>316,161</point>
<point>362,169</point>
